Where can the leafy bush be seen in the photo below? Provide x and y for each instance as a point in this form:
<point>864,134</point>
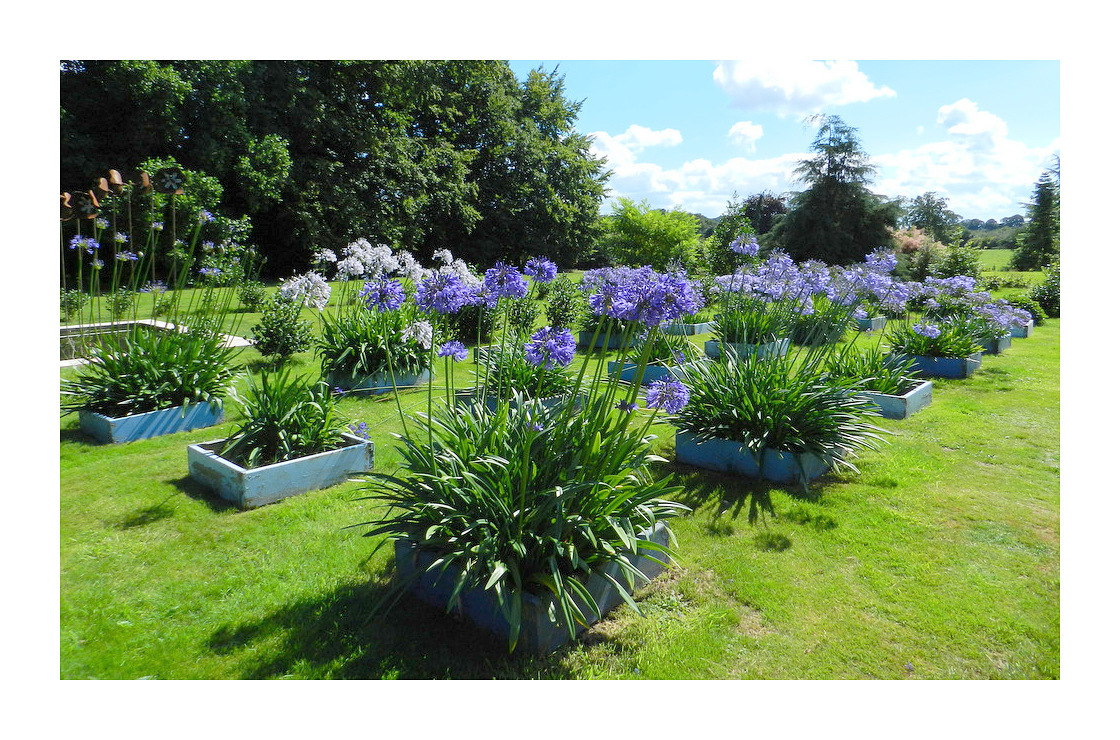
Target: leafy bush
<point>285,417</point>
<point>1048,293</point>
<point>252,295</point>
<point>521,317</point>
<point>71,302</point>
<point>471,324</point>
<point>750,325</point>
<point>960,259</point>
<point>505,369</point>
<point>148,370</point>
<point>280,332</point>
<point>564,306</point>
<point>120,302</point>
<point>779,403</point>
<point>1031,306</point>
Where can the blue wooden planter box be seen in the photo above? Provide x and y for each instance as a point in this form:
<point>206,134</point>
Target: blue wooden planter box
<point>726,456</point>
<point>688,329</point>
<point>480,607</point>
<point>900,407</point>
<point>651,373</point>
<point>151,424</point>
<point>252,487</point>
<point>943,367</point>
<point>379,383</point>
<point>871,323</point>
<point>713,349</point>
<point>1022,332</point>
<point>584,341</point>
<point>998,346</point>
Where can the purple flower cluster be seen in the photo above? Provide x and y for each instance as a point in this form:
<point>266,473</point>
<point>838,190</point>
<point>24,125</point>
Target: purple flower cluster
<point>541,269</point>
<point>641,294</point>
<point>668,395</point>
<point>445,293</point>
<point>551,348</point>
<point>383,294</point>
<point>931,331</point>
<point>453,349</point>
<point>87,243</point>
<point>743,245</point>
<point>503,281</point>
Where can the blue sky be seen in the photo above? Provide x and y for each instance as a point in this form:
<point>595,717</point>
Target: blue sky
<point>690,134</point>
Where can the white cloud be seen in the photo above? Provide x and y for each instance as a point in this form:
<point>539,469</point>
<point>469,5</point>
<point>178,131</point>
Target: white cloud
<point>796,88</point>
<point>745,134</point>
<point>983,170</point>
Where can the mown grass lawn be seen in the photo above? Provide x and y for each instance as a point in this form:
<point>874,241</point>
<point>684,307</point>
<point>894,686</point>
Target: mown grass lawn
<point>940,559</point>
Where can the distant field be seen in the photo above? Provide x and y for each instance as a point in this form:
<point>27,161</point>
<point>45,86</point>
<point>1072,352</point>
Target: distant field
<point>995,259</point>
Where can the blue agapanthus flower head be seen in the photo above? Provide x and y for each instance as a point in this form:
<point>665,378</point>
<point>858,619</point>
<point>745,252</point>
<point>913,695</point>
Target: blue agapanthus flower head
<point>745,245</point>
<point>668,395</point>
<point>382,294</point>
<point>541,269</point>
<point>930,331</point>
<point>445,293</point>
<point>549,348</point>
<point>503,281</point>
<point>453,349</point>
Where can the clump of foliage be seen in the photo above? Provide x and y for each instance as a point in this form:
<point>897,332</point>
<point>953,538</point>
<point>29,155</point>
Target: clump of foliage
<point>869,370</point>
<point>285,417</point>
<point>640,235</point>
<point>1031,306</point>
<point>1048,293</point>
<point>564,306</point>
<point>71,303</point>
<point>120,302</point>
<point>959,259</point>
<point>281,333</point>
<point>918,253</point>
<point>252,295</point>
<point>953,337</point>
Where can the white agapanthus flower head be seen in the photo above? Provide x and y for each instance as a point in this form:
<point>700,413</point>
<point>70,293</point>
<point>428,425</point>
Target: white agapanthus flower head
<point>410,268</point>
<point>323,256</point>
<point>443,255</point>
<point>310,289</point>
<point>421,331</point>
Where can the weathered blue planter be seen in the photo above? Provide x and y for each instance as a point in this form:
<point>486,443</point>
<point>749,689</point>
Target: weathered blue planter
<point>907,404</point>
<point>871,323</point>
<point>252,487</point>
<point>584,340</point>
<point>998,345</point>
<point>379,383</point>
<point>689,329</point>
<point>1022,332</point>
<point>726,456</point>
<point>651,373</point>
<point>480,607</point>
<point>942,367</point>
<point>151,424</point>
<point>713,349</point>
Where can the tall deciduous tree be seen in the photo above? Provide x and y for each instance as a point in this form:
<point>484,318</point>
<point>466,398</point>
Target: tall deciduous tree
<point>638,235</point>
<point>930,213</point>
<point>416,154</point>
<point>836,219</point>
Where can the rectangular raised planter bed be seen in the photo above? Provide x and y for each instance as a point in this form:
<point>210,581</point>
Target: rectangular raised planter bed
<point>688,329</point>
<point>900,407</point>
<point>75,339</point>
<point>252,487</point>
<point>999,345</point>
<point>714,349</point>
<point>379,383</point>
<point>954,368</point>
<point>871,323</point>
<point>585,337</point>
<point>116,429</point>
<point>726,456</point>
<point>538,633</point>
<point>1022,332</point>
<point>652,372</point>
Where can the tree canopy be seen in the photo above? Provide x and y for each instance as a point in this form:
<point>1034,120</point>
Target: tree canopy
<point>416,154</point>
<point>1040,242</point>
<point>836,219</point>
<point>639,235</point>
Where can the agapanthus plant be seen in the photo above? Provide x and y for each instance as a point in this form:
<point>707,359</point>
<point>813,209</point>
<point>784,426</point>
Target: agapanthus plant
<point>953,337</point>
<point>522,498</point>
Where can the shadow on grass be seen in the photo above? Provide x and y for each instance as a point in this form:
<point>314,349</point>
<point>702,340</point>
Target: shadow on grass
<point>148,515</point>
<point>334,636</point>
<point>77,436</point>
<point>198,492</point>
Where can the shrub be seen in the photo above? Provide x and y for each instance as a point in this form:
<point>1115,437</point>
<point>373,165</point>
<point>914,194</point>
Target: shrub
<point>521,317</point>
<point>252,295</point>
<point>71,303</point>
<point>361,341</point>
<point>285,418</point>
<point>564,306</point>
<point>1048,293</point>
<point>120,302</point>
<point>280,332</point>
<point>960,259</point>
<point>1030,305</point>
<point>953,337</point>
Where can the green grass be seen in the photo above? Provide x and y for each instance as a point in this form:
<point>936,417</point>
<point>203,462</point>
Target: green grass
<point>941,554</point>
